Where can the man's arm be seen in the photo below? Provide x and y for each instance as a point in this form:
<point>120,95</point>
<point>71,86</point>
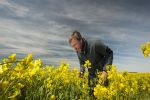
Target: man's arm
<point>108,58</point>
<point>108,54</point>
<point>82,69</point>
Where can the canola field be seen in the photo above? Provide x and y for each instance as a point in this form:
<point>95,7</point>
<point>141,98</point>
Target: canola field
<point>28,79</point>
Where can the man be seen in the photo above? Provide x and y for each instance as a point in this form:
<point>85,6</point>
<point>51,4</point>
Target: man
<point>96,52</point>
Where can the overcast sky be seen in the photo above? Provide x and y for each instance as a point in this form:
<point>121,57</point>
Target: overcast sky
<point>42,27</point>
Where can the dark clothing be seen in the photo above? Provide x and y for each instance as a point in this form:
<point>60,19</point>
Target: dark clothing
<point>98,54</point>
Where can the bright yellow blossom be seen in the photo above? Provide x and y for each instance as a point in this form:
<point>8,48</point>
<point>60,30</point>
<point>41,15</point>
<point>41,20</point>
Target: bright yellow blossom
<point>5,84</point>
<point>1,69</point>
<point>52,97</point>
<point>87,64</point>
<point>12,57</point>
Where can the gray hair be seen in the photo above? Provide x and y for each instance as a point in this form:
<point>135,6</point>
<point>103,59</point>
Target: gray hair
<point>75,35</point>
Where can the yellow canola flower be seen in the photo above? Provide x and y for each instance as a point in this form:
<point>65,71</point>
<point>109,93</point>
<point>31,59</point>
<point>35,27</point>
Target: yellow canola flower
<point>37,62</point>
<point>17,92</point>
<point>19,85</point>
<point>146,49</point>
<point>12,57</point>
<point>143,47</point>
<point>96,90</point>
<point>146,52</point>
<point>103,89</point>
<point>5,68</point>
<point>127,90</point>
<point>121,85</point>
<point>1,69</point>
<point>87,64</point>
<point>53,97</point>
<point>5,84</point>
<point>146,55</point>
<point>100,91</point>
<point>18,68</point>
<point>19,75</point>
<point>33,71</point>
<point>29,58</point>
<point>63,65</point>
<point>148,44</point>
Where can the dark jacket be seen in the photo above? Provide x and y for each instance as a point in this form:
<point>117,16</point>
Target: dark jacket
<point>98,54</point>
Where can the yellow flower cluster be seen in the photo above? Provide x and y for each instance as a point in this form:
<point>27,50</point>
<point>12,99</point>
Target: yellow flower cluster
<point>87,64</point>
<point>146,49</point>
<point>124,86</point>
<point>28,79</point>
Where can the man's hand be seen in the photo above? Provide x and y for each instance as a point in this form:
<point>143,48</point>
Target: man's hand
<point>105,77</point>
<point>81,74</point>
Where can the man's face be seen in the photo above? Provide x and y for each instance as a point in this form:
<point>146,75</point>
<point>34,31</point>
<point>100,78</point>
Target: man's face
<point>76,44</point>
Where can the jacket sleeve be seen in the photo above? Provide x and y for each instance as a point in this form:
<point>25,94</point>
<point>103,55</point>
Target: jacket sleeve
<point>81,62</point>
<point>108,58</point>
<point>106,52</point>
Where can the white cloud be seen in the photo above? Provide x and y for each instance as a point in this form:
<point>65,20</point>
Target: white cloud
<point>42,34</point>
<point>14,7</point>
<point>22,39</point>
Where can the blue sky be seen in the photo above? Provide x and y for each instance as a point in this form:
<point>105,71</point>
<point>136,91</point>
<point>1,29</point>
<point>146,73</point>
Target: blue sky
<point>42,27</point>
